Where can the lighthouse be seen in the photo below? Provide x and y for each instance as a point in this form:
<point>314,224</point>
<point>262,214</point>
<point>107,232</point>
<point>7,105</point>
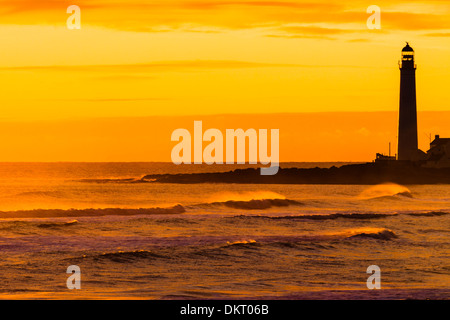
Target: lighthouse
<point>407,130</point>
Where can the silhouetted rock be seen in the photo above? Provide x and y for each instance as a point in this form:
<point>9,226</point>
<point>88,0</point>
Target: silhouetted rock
<point>369,173</point>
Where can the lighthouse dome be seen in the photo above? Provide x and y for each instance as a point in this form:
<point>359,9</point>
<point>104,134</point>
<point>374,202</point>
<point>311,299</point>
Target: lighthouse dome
<point>407,48</point>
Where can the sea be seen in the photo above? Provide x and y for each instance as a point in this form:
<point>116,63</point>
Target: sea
<point>134,239</point>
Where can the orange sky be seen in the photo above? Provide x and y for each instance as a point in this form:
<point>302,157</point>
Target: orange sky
<point>138,59</point>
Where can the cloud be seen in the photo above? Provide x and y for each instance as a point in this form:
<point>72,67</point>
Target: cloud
<point>358,40</point>
<point>313,30</point>
<point>438,34</point>
<point>13,7</point>
<point>414,21</point>
<point>274,4</point>
<point>111,99</point>
<point>220,16</point>
<point>125,77</point>
<point>287,36</point>
<point>137,71</point>
<point>140,71</point>
<point>186,4</point>
<point>310,32</point>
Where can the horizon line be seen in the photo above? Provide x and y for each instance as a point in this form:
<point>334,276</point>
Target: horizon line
<point>6,120</point>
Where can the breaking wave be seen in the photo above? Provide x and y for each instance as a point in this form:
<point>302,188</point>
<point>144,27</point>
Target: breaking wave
<point>256,200</point>
<point>428,214</point>
<point>255,204</point>
<point>386,190</point>
<point>241,242</point>
<point>358,233</point>
<point>54,213</point>
<point>125,256</point>
<point>57,225</point>
<point>373,233</point>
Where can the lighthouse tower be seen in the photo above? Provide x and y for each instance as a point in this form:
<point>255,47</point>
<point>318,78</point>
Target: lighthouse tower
<point>407,131</point>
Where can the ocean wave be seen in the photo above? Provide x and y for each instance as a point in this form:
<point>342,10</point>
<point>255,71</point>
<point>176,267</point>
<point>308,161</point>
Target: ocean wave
<point>125,256</point>
<point>331,216</point>
<point>389,191</point>
<point>13,225</point>
<point>428,214</point>
<point>379,234</point>
<point>54,213</point>
<point>241,243</point>
<point>334,216</point>
<point>57,225</point>
<point>255,204</point>
<point>398,197</point>
<point>312,239</point>
<point>28,227</point>
<point>315,238</point>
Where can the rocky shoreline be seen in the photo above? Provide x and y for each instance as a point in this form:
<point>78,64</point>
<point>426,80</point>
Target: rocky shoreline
<point>365,174</point>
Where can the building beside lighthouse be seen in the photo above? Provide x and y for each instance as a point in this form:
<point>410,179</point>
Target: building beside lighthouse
<point>439,154</point>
